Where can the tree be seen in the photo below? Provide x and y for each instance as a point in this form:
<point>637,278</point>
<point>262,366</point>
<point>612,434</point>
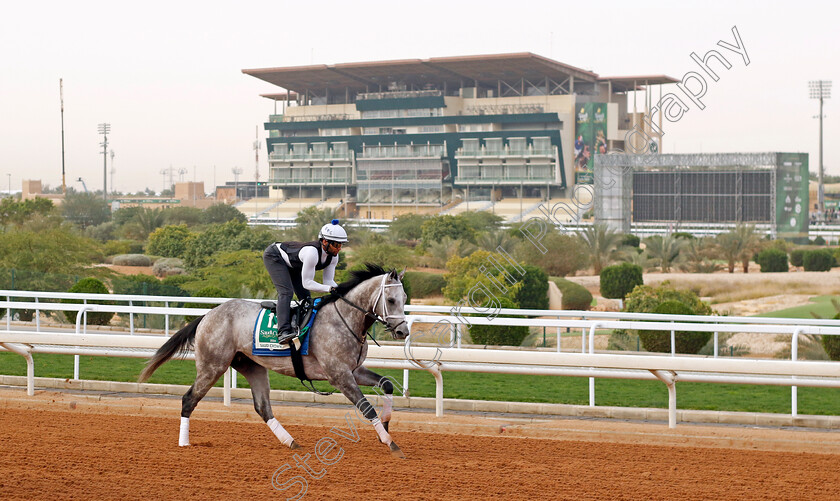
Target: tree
<point>564,256</point>
<point>385,255</point>
<point>222,213</point>
<point>191,216</point>
<point>481,221</point>
<point>238,273</point>
<point>200,247</point>
<point>440,227</point>
<point>751,243</point>
<point>85,209</point>
<point>17,213</point>
<point>309,222</point>
<point>601,242</point>
<point>407,226</point>
<point>698,255</point>
<point>665,250</point>
<point>169,241</point>
<point>462,273</point>
<point>143,223</point>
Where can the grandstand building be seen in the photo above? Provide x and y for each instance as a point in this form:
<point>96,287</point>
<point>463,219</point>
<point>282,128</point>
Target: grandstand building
<point>444,134</point>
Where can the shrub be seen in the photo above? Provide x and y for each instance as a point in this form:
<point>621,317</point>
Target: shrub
<point>424,284</point>
<point>499,335</point>
<point>619,280</point>
<point>645,299</point>
<point>685,341</point>
<point>772,260</point>
<point>533,294</point>
<point>819,240</point>
<point>818,260</point>
<point>831,344</point>
<point>144,285</point>
<point>683,234</point>
<point>114,247</point>
<point>132,260</point>
<point>205,292</point>
<point>168,241</point>
<point>168,266</point>
<point>89,286</point>
<point>796,257</point>
<point>575,296</point>
<point>629,241</point>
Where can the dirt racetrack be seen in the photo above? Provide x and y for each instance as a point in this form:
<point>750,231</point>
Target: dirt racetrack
<point>82,446</point>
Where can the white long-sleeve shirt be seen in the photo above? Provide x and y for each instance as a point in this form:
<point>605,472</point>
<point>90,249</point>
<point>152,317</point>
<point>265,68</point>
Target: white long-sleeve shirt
<point>310,257</point>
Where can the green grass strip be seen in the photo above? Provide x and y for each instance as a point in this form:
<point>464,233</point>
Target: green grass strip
<point>476,386</point>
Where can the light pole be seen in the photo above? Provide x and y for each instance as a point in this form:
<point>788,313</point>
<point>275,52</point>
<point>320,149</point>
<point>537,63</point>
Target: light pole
<point>820,89</point>
<point>104,129</point>
<point>10,185</point>
<point>236,172</point>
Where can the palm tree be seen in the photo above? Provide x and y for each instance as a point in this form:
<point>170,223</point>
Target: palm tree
<point>751,243</point>
<point>633,256</point>
<point>697,254</point>
<point>665,250</point>
<point>601,241</point>
<point>738,245</point>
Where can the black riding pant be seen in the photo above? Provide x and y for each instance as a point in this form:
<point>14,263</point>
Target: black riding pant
<point>287,281</point>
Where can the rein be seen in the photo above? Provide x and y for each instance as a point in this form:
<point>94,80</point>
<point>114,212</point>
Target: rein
<point>371,315</point>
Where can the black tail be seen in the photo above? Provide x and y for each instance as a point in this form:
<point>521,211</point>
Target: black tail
<point>180,343</point>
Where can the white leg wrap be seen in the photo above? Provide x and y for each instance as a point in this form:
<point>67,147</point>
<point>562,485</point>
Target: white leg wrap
<point>384,437</point>
<point>386,407</point>
<point>184,436</point>
<point>280,432</point>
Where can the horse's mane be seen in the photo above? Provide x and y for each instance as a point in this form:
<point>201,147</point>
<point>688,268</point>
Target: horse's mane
<point>357,277</point>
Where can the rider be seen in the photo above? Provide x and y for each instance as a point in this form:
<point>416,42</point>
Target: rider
<point>292,267</point>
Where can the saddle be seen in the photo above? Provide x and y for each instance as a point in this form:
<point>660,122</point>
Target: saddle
<point>300,316</point>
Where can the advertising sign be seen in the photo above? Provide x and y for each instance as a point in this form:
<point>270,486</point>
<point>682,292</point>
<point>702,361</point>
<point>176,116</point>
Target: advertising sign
<point>590,139</point>
<point>792,195</point>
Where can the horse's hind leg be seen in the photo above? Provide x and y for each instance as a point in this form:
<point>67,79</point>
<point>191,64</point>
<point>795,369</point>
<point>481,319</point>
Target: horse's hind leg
<point>257,377</point>
<point>206,377</point>
<point>381,385</point>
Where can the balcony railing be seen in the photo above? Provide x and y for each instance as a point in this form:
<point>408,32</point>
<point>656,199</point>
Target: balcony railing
<point>505,152</point>
<point>310,155</point>
<point>397,94</point>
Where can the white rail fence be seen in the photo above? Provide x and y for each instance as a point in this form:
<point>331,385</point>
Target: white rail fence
<point>450,356</point>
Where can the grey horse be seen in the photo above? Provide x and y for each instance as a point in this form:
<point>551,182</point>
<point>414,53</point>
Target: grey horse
<point>337,348</point>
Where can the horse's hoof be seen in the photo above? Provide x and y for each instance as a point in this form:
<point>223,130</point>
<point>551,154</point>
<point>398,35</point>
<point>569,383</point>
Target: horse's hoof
<point>396,451</point>
<point>294,445</point>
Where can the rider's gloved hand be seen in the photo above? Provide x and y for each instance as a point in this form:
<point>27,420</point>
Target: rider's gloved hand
<point>333,290</point>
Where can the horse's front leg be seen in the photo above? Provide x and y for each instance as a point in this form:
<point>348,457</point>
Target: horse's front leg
<point>346,383</point>
<point>383,386</point>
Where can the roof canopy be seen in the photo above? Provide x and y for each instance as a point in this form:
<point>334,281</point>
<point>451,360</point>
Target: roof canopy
<point>440,71</point>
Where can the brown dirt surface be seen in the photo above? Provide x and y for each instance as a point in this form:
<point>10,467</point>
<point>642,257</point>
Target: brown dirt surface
<point>82,446</point>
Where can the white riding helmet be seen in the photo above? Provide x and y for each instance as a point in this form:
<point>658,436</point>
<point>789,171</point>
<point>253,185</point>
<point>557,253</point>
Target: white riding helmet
<point>333,231</point>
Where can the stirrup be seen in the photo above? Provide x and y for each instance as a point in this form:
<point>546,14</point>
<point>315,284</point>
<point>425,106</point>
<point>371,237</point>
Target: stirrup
<point>286,338</point>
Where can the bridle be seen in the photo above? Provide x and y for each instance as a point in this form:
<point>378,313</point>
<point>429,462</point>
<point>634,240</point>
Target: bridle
<point>372,313</point>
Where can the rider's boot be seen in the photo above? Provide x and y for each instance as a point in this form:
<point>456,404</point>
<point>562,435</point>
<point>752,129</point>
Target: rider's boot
<point>284,325</point>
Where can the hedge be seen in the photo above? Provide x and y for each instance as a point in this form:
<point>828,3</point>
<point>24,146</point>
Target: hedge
<point>89,286</point>
<point>796,257</point>
<point>619,280</point>
<point>132,260</point>
<point>500,335</point>
<point>424,284</point>
<point>772,260</point>
<point>818,260</point>
<point>575,296</point>
<point>533,294</point>
<point>685,341</point>
<point>831,344</point>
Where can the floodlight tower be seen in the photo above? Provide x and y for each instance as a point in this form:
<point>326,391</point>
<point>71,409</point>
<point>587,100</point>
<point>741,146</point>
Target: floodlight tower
<point>113,171</point>
<point>104,129</point>
<point>820,89</point>
<point>236,172</point>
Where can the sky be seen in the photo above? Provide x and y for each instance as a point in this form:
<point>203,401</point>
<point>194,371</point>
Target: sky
<point>167,75</point>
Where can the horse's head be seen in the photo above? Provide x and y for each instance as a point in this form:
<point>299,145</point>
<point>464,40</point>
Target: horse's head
<point>390,304</point>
